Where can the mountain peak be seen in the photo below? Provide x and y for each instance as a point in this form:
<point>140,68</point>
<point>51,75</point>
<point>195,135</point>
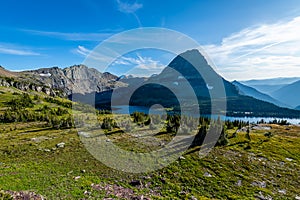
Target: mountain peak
<point>191,51</point>
<point>190,60</point>
<point>193,55</point>
<point>78,66</point>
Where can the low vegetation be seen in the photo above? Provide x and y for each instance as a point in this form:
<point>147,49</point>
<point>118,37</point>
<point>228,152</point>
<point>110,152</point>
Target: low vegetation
<point>42,160</point>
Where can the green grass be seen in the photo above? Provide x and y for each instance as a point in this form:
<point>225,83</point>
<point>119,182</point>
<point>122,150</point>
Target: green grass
<point>25,165</point>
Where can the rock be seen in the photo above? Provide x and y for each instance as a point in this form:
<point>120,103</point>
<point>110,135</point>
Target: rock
<point>265,128</point>
<point>239,183</point>
<point>83,171</point>
<point>47,150</point>
<point>83,134</point>
<point>289,159</point>
<point>108,140</point>
<point>60,145</point>
<point>262,197</point>
<point>297,197</point>
<point>24,195</point>
<point>206,174</point>
<point>39,139</point>
<point>279,176</point>
<point>283,191</point>
<point>77,177</point>
<point>181,158</point>
<point>162,144</point>
<point>120,192</point>
<point>38,89</point>
<point>135,183</point>
<point>75,79</point>
<point>244,129</point>
<point>146,177</point>
<point>141,197</point>
<point>261,184</point>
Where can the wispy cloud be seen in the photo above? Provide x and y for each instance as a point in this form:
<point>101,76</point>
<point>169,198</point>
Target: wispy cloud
<point>267,50</point>
<point>82,51</point>
<point>93,57</point>
<point>72,36</point>
<point>136,65</point>
<point>16,50</point>
<point>130,8</point>
<point>127,7</point>
<point>140,66</point>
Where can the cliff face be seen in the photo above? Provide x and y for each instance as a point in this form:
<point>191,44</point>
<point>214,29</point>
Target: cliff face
<point>26,86</point>
<point>74,79</point>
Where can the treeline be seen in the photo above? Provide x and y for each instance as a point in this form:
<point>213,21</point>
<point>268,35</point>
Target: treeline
<point>250,107</point>
<point>66,104</point>
<point>275,121</point>
<point>24,101</point>
<point>183,124</point>
<point>20,109</point>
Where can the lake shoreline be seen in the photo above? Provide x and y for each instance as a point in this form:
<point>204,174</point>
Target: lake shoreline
<point>251,119</point>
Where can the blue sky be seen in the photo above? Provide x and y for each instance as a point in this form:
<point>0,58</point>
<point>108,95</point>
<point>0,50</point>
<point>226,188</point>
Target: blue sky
<point>244,38</point>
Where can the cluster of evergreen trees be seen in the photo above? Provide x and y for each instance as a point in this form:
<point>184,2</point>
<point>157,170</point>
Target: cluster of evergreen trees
<point>275,121</point>
<point>108,124</point>
<point>20,109</point>
<point>66,104</point>
<point>184,124</point>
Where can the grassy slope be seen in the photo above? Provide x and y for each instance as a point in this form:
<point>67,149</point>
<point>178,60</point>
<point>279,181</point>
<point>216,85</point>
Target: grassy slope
<point>29,160</point>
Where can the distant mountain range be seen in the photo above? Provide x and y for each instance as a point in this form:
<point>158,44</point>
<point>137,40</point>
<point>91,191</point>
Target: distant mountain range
<point>281,89</point>
<point>272,81</point>
<point>268,86</point>
<point>252,92</point>
<point>289,94</point>
<point>85,84</point>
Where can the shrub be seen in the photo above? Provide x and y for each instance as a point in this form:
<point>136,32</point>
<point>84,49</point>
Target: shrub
<point>108,124</point>
<point>22,101</point>
<point>173,123</point>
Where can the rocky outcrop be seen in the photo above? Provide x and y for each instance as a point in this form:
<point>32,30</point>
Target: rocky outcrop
<point>55,81</point>
<point>75,79</point>
<point>27,86</point>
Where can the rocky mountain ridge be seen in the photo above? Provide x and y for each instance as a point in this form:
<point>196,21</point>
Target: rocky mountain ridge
<point>75,79</point>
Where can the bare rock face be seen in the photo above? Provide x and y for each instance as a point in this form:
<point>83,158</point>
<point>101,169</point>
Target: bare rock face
<point>25,85</point>
<point>55,81</point>
<point>75,79</point>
